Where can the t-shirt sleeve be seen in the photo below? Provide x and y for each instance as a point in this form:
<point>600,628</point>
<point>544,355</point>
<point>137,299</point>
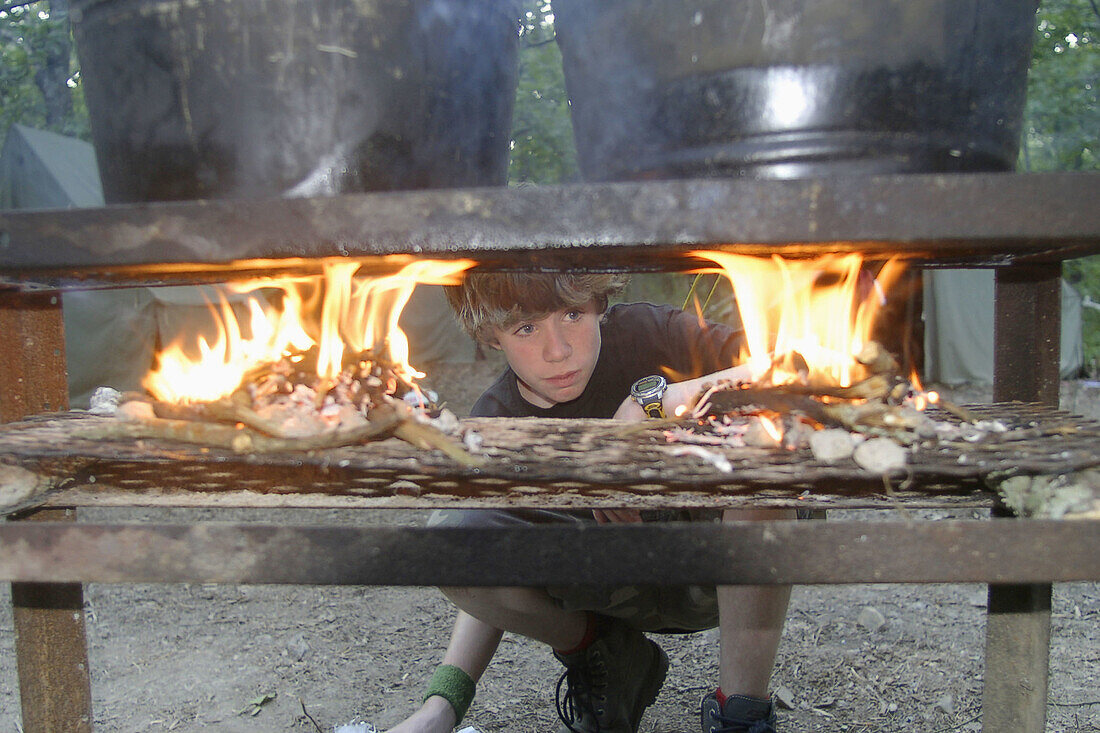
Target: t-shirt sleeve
<point>499,400</point>
<point>707,346</point>
<point>679,341</point>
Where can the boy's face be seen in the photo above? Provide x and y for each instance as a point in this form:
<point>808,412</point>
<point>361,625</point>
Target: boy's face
<point>554,356</point>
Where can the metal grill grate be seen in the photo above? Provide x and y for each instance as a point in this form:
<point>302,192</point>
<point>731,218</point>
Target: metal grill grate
<point>542,462</point>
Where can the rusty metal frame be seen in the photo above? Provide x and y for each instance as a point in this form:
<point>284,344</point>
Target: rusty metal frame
<point>1027,338</point>
<point>730,553</point>
<point>1025,224</point>
<point>975,219</point>
<point>50,646</point>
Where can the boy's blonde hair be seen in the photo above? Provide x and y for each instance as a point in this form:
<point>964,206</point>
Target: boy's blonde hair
<point>486,301</point>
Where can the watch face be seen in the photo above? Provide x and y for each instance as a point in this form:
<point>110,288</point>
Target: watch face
<point>649,386</point>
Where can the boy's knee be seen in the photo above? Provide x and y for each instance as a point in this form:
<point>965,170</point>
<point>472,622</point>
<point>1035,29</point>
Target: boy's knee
<point>473,599</point>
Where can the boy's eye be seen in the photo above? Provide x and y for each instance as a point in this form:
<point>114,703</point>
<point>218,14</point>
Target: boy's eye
<point>524,329</point>
<point>573,315</point>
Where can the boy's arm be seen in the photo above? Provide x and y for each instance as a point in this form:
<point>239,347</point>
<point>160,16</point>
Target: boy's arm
<point>681,393</point>
<point>473,644</point>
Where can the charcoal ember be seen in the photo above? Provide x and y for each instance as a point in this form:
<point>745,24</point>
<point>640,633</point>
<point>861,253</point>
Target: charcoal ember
<point>288,393</point>
<point>760,435</point>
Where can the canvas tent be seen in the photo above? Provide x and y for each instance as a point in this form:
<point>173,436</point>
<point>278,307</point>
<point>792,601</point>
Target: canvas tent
<point>111,335</point>
<point>958,327</point>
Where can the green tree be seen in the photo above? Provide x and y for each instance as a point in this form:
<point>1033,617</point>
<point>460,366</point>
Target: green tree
<point>39,81</point>
<point>542,130</point>
<point>1062,121</point>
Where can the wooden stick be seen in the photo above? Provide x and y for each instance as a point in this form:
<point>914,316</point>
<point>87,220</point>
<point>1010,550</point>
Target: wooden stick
<point>875,387</point>
<point>728,400</point>
<point>427,437</point>
<point>877,359</point>
<point>191,424</point>
<point>957,410</point>
<point>240,440</point>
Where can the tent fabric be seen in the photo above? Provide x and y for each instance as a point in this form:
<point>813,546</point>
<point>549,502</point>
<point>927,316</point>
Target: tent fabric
<point>44,170</point>
<point>111,335</point>
<point>958,327</point>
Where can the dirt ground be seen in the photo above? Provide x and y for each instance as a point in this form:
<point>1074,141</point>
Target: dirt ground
<point>303,658</point>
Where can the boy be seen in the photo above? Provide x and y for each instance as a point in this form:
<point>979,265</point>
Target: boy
<point>569,355</point>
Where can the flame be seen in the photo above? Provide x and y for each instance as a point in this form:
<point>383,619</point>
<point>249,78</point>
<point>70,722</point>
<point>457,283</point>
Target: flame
<point>805,320</point>
<point>921,398</point>
<point>335,311</point>
<point>774,428</point>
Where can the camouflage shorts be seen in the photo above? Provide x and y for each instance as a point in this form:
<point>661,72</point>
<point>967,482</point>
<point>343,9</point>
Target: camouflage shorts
<point>645,607</point>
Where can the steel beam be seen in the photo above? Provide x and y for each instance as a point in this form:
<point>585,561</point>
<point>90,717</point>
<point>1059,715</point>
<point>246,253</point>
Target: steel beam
<point>50,646</point>
<point>987,218</point>
<point>51,650</point>
<point>1027,354</point>
<point>773,552</point>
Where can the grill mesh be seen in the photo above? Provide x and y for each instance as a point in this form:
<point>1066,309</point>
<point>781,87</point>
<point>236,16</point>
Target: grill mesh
<point>542,462</point>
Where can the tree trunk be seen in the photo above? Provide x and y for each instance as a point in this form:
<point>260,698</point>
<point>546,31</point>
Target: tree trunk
<point>53,78</point>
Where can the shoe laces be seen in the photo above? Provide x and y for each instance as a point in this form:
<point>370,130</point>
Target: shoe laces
<point>582,684</point>
<point>741,725</point>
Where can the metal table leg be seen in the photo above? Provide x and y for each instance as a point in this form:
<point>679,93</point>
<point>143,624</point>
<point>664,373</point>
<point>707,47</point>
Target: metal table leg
<point>1027,352</point>
<point>50,646</point>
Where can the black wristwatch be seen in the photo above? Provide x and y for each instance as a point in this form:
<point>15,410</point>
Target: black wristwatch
<point>648,392</point>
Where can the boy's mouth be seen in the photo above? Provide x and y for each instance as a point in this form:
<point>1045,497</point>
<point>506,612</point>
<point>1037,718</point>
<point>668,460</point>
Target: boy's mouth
<point>564,380</point>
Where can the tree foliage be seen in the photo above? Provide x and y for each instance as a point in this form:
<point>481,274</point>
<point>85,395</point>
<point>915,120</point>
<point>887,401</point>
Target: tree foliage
<point>1062,121</point>
<point>39,80</point>
<point>542,130</point>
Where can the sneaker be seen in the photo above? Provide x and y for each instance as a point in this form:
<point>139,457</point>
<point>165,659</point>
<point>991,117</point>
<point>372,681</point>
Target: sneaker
<point>740,714</point>
<point>609,685</point>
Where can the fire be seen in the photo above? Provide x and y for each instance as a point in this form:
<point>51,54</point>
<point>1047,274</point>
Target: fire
<point>336,312</point>
<point>922,398</point>
<point>773,427</point>
<point>805,320</point>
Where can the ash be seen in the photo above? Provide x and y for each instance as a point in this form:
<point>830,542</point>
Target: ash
<point>288,393</point>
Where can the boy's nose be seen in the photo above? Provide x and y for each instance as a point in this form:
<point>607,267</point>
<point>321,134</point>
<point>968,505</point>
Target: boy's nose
<point>556,347</point>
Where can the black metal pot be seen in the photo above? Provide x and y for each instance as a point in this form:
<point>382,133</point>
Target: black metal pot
<point>239,98</point>
<point>793,88</point>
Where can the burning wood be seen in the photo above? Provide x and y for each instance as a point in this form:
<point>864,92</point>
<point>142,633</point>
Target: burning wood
<point>323,364</point>
<point>284,405</point>
<point>821,383</point>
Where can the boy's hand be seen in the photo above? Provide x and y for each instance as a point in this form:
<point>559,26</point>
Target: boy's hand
<point>434,716</point>
<point>617,516</point>
<point>681,393</point>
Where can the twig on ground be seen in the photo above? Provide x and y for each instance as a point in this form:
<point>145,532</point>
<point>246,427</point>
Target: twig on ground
<point>959,724</point>
<point>308,716</point>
